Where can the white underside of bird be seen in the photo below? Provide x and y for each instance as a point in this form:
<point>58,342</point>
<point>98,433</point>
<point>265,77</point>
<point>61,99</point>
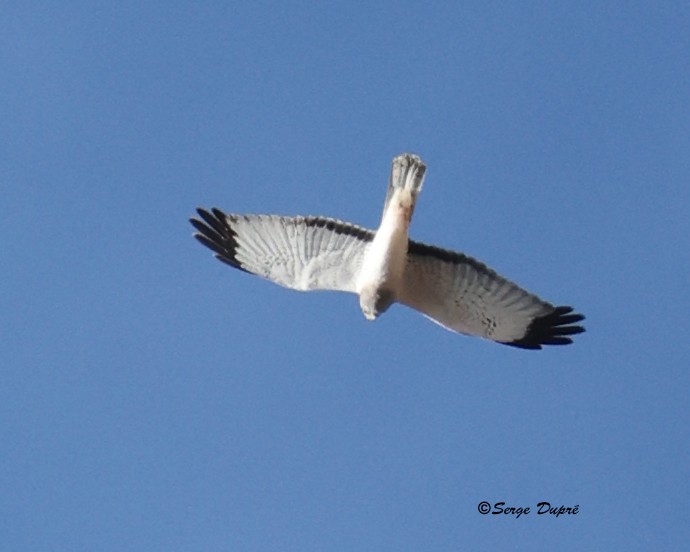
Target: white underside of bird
<point>385,267</point>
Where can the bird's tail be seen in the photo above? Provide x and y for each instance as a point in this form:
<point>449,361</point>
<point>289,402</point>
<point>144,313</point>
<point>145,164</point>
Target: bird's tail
<point>407,177</point>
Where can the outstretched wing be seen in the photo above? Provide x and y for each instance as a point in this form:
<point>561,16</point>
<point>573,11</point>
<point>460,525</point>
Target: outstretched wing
<point>466,296</point>
<point>303,253</point>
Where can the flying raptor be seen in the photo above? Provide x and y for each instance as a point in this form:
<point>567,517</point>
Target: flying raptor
<point>384,266</point>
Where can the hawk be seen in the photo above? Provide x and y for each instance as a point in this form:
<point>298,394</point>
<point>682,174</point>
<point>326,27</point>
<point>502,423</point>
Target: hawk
<point>384,266</point>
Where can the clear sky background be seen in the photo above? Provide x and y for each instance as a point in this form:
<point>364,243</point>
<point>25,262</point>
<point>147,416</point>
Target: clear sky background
<point>154,399</point>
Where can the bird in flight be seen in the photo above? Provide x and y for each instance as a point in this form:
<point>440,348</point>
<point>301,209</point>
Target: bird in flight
<point>384,266</point>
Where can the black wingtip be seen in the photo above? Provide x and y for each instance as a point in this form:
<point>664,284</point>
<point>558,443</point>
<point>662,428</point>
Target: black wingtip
<point>551,329</point>
<point>214,231</point>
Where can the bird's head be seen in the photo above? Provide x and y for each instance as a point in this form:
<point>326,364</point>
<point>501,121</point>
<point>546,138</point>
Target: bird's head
<point>374,301</point>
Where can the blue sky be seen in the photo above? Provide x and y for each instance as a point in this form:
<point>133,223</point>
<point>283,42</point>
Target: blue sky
<point>154,399</point>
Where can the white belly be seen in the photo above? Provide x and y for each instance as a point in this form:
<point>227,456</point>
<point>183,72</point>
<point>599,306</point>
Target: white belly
<point>384,262</point>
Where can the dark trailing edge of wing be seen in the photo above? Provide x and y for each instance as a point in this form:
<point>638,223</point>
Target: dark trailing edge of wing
<point>550,329</point>
<point>446,255</point>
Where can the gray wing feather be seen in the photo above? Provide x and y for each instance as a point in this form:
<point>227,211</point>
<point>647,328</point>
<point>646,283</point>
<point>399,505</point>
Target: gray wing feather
<point>464,295</point>
<point>302,253</point>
